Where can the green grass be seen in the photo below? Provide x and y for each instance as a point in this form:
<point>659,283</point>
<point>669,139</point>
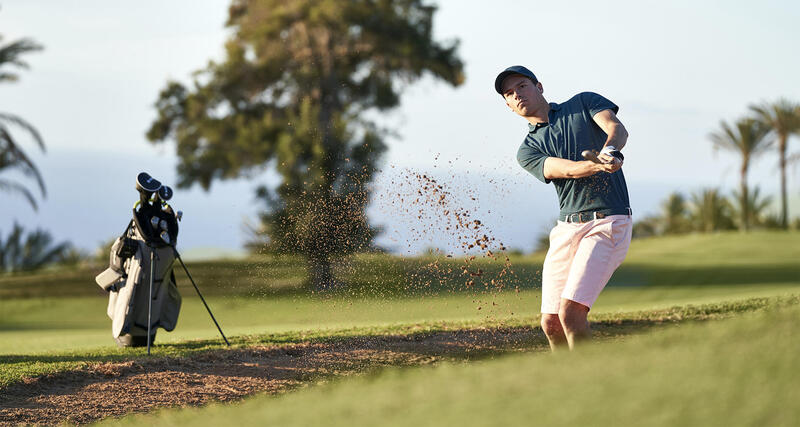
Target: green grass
<point>17,366</point>
<point>731,258</point>
<point>48,311</point>
<point>51,322</point>
<point>740,371</point>
<point>39,326</point>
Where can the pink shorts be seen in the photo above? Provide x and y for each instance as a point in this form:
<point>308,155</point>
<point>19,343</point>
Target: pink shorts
<point>581,259</point>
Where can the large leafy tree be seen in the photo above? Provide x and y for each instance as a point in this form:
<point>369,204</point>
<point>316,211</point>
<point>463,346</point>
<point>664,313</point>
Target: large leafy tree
<point>748,138</point>
<point>12,156</point>
<point>294,92</point>
<point>783,118</point>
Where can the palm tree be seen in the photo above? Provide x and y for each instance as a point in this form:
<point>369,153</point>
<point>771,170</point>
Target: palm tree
<point>756,205</point>
<point>748,138</point>
<point>710,211</point>
<point>783,118</point>
<point>12,157</point>
<point>31,251</point>
<point>674,215</point>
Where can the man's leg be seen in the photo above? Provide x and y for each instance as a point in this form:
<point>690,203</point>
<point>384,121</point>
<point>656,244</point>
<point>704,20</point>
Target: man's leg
<point>551,325</point>
<point>554,277</point>
<point>600,251</point>
<point>575,327</point>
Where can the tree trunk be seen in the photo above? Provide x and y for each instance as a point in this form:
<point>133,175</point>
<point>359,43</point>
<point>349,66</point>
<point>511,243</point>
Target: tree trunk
<point>320,273</point>
<point>782,160</point>
<point>744,197</point>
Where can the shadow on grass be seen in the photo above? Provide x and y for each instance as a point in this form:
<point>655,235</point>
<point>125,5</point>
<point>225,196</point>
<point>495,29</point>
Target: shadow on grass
<point>658,275</point>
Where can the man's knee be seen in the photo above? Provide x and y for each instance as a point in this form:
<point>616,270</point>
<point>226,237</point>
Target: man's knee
<point>551,324</point>
<point>573,315</point>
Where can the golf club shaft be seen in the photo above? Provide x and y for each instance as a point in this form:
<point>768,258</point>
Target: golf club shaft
<point>177,255</point>
<point>150,300</point>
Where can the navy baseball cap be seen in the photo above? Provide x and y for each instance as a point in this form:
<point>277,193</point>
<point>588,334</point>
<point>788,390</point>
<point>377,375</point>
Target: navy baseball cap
<point>514,69</point>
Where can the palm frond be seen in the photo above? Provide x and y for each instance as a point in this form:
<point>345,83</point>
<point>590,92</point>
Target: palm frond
<point>12,157</point>
<point>20,122</point>
<point>22,251</point>
<point>9,186</point>
<point>10,56</point>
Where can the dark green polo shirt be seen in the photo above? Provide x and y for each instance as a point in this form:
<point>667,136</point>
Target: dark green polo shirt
<point>569,131</point>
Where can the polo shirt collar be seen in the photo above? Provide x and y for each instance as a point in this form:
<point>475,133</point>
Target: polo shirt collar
<point>553,108</point>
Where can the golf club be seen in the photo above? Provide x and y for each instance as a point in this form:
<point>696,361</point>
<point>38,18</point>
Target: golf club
<point>591,155</point>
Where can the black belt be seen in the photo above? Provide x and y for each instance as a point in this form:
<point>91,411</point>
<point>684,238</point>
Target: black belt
<point>592,215</point>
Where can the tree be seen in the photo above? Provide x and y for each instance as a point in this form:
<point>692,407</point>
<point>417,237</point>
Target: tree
<point>674,214</point>
<point>710,211</point>
<point>292,93</point>
<point>747,137</point>
<point>21,252</point>
<point>783,117</point>
<point>756,206</point>
<point>12,157</point>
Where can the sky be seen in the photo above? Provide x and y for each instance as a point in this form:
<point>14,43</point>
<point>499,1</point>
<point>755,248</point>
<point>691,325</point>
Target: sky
<point>676,69</point>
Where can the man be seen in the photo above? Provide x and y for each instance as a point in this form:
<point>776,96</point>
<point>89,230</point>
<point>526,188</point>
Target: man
<point>594,228</point>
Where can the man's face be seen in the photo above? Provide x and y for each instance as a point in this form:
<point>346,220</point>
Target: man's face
<point>522,96</point>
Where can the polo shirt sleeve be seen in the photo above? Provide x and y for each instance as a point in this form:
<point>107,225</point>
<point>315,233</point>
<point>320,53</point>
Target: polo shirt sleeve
<point>595,103</point>
<point>532,160</point>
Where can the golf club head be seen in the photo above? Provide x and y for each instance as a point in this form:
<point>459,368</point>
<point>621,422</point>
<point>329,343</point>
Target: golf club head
<point>165,193</point>
<point>591,155</point>
<point>162,225</point>
<point>179,215</point>
<point>146,183</point>
<point>165,237</point>
<point>154,222</point>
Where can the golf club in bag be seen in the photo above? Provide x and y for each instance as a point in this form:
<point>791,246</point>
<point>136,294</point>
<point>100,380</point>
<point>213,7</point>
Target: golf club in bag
<point>140,272</point>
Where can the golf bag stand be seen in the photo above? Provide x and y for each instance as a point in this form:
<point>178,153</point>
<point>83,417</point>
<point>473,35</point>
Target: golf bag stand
<point>146,246</point>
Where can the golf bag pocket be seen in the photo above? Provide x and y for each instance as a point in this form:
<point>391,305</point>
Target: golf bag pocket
<point>172,306</point>
<point>108,278</point>
<point>120,303</point>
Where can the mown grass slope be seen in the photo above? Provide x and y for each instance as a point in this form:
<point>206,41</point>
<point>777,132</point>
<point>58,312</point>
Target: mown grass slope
<point>739,371</point>
<point>45,312</point>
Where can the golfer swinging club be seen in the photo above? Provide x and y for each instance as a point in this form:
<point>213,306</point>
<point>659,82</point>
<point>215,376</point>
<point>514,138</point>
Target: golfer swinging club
<point>594,228</point>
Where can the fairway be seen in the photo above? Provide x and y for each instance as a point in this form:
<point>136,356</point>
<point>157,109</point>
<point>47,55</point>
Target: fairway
<point>37,326</point>
<point>285,336</point>
<point>265,296</point>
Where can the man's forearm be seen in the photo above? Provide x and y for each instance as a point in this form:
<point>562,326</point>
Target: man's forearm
<point>557,168</point>
<point>617,137</point>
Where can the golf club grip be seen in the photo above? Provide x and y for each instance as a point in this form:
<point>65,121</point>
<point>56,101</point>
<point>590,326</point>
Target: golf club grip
<point>591,156</point>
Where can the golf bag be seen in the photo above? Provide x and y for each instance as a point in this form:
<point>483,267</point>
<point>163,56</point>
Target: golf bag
<point>140,279</point>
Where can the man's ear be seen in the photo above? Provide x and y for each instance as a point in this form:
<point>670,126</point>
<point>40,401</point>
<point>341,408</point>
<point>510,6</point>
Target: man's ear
<point>540,87</point>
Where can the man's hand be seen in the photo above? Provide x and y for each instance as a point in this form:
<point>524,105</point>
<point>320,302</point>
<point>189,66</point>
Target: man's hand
<point>611,165</point>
